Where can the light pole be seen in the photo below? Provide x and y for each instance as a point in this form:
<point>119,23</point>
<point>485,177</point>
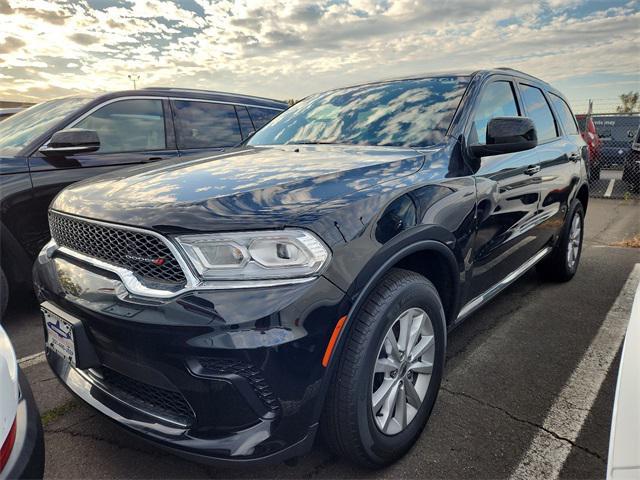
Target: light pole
<point>134,78</point>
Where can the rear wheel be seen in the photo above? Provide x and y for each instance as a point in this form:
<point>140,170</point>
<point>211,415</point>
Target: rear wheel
<point>389,372</point>
<point>562,263</point>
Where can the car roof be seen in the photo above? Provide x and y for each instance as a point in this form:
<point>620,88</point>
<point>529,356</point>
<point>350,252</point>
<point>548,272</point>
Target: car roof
<point>460,73</point>
<point>195,94</point>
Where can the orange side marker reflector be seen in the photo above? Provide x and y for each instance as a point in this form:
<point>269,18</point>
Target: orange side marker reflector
<point>332,341</point>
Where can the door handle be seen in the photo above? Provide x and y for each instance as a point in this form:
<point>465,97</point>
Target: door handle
<point>153,159</point>
<point>532,169</point>
<point>575,156</point>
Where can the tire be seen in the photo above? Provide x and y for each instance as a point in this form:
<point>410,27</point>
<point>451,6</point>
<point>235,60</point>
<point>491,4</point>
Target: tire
<point>559,266</point>
<point>594,174</point>
<point>4,294</point>
<point>348,424</point>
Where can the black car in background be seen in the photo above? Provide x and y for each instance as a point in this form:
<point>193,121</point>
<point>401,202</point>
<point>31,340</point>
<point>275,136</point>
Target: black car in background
<point>8,112</point>
<point>51,145</point>
<point>616,132</point>
<point>228,308</point>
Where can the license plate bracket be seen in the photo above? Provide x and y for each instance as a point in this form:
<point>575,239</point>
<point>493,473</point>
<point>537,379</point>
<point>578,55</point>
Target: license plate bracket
<point>60,335</point>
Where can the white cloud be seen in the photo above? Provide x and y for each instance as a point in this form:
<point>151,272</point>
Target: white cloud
<point>291,48</point>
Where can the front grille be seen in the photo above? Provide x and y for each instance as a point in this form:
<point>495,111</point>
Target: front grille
<point>132,250</point>
<point>222,366</point>
<point>155,401</point>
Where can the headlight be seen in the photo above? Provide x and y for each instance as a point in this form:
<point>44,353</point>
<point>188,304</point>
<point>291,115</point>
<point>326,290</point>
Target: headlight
<point>262,255</point>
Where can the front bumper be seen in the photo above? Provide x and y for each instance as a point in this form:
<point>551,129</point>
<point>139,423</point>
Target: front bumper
<point>217,376</point>
<point>27,456</point>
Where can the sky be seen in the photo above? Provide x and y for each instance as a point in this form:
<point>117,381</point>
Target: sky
<point>291,48</point>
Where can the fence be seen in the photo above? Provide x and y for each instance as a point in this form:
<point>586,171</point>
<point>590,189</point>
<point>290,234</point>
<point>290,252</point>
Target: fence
<point>614,150</point>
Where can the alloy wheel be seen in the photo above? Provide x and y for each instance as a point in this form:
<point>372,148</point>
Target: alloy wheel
<point>575,237</point>
<point>402,371</point>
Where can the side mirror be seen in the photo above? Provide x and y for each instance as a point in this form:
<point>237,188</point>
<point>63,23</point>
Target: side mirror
<point>507,135</point>
<point>72,141</point>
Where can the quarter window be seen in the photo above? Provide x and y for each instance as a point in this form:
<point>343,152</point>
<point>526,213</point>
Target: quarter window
<point>261,116</point>
<point>206,125</point>
<point>538,110</point>
<point>497,100</point>
<point>245,121</point>
<point>128,126</point>
<point>566,116</point>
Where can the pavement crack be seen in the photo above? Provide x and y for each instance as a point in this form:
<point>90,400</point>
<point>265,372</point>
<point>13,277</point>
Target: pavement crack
<point>526,422</point>
<point>68,427</point>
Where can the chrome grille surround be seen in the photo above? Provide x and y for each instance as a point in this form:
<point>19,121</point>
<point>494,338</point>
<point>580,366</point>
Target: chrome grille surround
<point>132,249</point>
<point>156,290</point>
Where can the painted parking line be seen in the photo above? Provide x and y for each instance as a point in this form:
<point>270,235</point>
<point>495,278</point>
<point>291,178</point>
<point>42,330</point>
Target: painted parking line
<point>31,360</point>
<point>609,190</point>
<point>547,453</point>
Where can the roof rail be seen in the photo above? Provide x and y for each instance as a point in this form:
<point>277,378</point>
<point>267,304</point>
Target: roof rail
<point>521,73</point>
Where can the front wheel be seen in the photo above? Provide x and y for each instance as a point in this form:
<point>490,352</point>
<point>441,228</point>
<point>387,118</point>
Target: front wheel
<point>389,372</point>
<point>562,263</point>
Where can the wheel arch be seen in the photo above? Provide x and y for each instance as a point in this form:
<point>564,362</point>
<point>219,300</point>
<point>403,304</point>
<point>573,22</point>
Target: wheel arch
<point>414,256</point>
<point>583,196</point>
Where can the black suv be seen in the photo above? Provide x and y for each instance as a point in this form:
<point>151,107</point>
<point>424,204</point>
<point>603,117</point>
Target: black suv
<point>228,308</point>
<point>53,144</point>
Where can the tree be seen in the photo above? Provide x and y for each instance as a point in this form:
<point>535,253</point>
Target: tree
<point>629,102</point>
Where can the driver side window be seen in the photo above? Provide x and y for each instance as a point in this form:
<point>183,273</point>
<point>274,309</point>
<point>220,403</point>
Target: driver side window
<point>497,100</point>
<point>128,126</point>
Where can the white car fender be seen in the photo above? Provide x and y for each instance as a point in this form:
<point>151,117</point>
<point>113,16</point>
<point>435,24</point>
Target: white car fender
<point>9,390</point>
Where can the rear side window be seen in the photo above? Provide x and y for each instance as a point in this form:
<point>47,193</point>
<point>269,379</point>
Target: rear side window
<point>245,121</point>
<point>538,110</point>
<point>128,126</point>
<point>261,116</point>
<point>205,125</point>
<point>497,100</point>
<point>566,115</point>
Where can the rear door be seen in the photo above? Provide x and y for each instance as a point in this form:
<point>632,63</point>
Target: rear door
<point>559,150</point>
<point>203,126</point>
<point>508,193</point>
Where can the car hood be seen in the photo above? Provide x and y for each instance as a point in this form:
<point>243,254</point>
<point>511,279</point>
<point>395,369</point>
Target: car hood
<point>240,188</point>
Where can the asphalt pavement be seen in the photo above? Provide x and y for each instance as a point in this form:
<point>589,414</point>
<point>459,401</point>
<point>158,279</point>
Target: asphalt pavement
<point>522,392</point>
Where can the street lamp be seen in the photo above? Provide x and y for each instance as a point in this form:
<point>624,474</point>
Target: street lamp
<point>134,78</point>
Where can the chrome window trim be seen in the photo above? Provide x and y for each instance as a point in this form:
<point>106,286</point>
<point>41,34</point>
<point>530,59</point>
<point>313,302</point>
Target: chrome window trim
<point>109,102</point>
<point>137,288</point>
<point>154,97</point>
<point>221,102</point>
<point>104,104</point>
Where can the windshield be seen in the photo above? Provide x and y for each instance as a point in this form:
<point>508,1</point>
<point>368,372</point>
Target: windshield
<point>17,131</point>
<point>398,113</point>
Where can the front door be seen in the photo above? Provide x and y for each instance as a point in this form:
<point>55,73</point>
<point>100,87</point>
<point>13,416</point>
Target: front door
<point>508,189</point>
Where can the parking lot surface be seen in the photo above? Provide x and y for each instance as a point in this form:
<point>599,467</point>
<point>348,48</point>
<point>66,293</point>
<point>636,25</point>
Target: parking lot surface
<point>528,387</point>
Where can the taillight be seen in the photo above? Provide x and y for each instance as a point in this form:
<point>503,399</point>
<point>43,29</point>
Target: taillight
<point>7,446</point>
